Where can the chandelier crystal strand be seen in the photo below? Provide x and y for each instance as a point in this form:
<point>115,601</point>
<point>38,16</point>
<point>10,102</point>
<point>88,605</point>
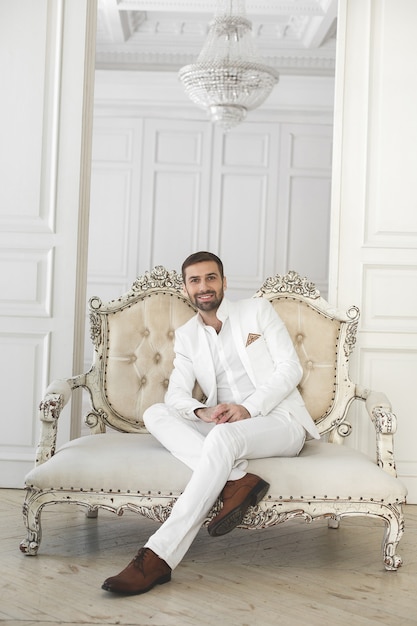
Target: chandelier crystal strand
<point>229,77</point>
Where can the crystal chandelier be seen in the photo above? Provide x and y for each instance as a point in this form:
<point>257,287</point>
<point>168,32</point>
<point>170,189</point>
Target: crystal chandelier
<point>228,78</point>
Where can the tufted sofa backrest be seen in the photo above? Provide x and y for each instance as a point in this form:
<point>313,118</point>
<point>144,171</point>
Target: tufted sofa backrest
<point>134,348</point>
<point>140,352</point>
<point>324,339</point>
<point>315,338</point>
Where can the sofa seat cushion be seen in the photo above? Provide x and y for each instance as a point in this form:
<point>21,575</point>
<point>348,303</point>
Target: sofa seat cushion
<point>137,463</point>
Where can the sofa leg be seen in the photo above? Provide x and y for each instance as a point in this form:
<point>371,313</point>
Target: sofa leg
<point>31,517</point>
<point>393,533</point>
<point>333,522</point>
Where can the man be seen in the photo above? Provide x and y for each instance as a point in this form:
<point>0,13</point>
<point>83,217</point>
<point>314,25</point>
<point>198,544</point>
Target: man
<point>245,363</point>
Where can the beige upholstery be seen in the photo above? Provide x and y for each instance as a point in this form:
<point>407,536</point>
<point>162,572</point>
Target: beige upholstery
<point>133,338</point>
<point>140,353</point>
<point>318,358</point>
<point>314,474</point>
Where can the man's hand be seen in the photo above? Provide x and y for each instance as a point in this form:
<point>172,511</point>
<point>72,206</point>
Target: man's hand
<point>221,413</point>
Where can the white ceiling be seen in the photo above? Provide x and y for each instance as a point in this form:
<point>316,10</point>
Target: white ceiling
<point>294,36</point>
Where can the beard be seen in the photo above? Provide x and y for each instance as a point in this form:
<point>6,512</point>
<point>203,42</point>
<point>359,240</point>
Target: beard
<point>211,305</point>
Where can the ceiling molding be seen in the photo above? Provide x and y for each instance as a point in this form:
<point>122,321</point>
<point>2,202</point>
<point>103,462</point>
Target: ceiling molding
<point>286,63</point>
<point>293,37</point>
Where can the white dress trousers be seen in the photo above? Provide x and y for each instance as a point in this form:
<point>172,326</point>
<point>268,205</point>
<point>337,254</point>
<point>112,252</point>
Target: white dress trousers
<point>216,454</point>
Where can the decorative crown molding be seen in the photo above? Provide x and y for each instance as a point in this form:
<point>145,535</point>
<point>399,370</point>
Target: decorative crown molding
<point>292,37</point>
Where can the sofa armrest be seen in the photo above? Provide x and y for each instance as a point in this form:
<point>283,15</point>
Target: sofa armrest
<point>385,423</point>
<point>56,397</point>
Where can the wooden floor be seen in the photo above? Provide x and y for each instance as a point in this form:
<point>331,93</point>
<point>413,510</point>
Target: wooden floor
<point>291,574</point>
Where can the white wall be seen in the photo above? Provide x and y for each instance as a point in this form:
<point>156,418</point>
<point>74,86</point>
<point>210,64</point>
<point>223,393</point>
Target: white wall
<point>166,182</point>
<point>374,212</point>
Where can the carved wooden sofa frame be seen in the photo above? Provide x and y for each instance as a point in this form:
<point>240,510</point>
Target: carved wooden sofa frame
<point>125,468</point>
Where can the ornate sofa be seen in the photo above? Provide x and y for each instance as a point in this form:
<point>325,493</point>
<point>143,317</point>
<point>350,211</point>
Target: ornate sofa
<point>126,468</point>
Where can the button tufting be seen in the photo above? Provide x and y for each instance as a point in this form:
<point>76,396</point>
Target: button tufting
<point>171,334</point>
<point>310,365</point>
<point>157,357</point>
<point>300,337</point>
<point>146,332</point>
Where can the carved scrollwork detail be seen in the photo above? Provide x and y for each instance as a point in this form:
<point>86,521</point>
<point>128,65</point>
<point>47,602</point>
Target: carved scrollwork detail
<point>51,407</point>
<point>258,517</point>
<point>271,511</point>
<point>161,512</point>
<point>96,420</point>
<point>157,512</point>
<point>29,547</point>
<point>95,328</point>
<point>385,421</point>
<point>158,278</point>
<point>354,314</point>
<point>393,562</point>
<point>385,426</point>
<point>291,282</point>
<point>344,429</point>
<point>95,303</point>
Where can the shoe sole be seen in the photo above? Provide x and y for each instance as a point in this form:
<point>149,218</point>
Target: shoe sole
<point>160,581</point>
<point>235,517</point>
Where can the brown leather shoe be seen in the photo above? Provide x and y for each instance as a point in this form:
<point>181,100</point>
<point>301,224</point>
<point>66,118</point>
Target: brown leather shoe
<point>144,572</point>
<point>237,496</point>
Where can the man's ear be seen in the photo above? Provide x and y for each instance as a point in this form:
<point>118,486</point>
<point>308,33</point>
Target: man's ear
<point>224,283</point>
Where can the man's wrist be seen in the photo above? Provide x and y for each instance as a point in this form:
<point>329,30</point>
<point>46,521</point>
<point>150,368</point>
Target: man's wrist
<point>253,411</point>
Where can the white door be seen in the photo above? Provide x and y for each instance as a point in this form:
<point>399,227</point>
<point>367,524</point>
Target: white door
<point>44,161</point>
<point>374,233</point>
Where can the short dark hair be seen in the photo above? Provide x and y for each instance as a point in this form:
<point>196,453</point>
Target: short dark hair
<point>200,257</point>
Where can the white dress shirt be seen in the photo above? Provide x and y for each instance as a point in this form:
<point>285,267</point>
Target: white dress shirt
<point>233,383</point>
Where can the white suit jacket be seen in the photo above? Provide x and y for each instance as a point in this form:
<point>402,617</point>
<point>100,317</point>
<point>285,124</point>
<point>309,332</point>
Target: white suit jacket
<point>267,353</point>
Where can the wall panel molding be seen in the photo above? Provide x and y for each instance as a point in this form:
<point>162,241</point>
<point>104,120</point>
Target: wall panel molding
<point>26,354</point>
<point>391,219</point>
<point>114,206</point>
<point>383,300</point>
<point>28,197</point>
<point>113,145</point>
<point>111,221</point>
<point>25,282</point>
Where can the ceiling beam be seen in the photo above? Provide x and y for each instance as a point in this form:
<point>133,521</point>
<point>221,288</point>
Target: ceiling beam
<point>320,28</point>
<point>116,22</point>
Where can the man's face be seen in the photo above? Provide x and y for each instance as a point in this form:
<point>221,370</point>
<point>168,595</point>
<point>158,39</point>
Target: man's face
<point>204,285</point>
